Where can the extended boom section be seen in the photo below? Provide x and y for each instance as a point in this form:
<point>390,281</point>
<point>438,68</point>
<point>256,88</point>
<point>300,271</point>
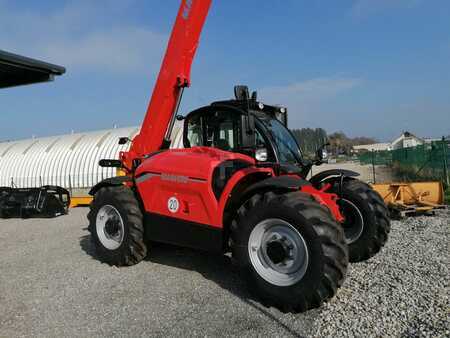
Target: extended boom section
<point>173,77</point>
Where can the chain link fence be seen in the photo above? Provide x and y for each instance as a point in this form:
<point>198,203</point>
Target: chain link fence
<point>430,161</point>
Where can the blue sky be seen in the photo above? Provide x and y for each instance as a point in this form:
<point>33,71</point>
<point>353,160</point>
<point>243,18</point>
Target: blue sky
<point>365,67</point>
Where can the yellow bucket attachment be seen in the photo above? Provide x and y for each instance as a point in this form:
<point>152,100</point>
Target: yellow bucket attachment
<point>80,201</point>
<point>408,198</point>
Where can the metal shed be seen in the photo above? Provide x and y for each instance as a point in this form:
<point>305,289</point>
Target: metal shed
<point>69,161</point>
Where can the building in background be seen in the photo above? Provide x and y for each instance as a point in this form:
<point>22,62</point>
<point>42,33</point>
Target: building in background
<point>371,147</point>
<point>405,140</point>
<point>69,161</point>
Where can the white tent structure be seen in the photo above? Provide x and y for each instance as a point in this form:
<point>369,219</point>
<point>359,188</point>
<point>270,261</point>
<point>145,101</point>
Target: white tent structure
<point>70,161</point>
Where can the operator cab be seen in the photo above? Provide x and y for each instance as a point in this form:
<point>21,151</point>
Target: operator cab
<point>246,126</point>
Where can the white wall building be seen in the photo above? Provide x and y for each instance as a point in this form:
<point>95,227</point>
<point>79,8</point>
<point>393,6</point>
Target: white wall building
<point>405,140</point>
<point>372,147</point>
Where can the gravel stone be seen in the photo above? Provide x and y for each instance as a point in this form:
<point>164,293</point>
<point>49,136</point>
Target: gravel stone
<point>51,285</point>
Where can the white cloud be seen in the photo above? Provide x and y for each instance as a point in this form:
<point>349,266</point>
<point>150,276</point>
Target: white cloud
<point>363,8</point>
<point>313,90</point>
<point>311,102</point>
<point>119,49</point>
<point>82,36</point>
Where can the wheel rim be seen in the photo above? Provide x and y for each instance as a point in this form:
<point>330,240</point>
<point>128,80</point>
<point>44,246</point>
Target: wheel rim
<point>353,224</point>
<point>110,228</point>
<point>278,252</point>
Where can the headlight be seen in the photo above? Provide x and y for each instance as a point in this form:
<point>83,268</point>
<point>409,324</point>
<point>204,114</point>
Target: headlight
<point>261,154</point>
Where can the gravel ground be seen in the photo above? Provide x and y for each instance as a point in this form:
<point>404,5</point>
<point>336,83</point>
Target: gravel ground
<point>52,286</point>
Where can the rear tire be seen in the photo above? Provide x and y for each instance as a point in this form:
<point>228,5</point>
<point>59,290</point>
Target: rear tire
<point>281,278</point>
<point>116,226</point>
<point>359,200</point>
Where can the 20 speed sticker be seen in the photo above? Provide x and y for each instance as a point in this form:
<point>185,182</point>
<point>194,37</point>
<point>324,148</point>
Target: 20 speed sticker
<point>173,204</point>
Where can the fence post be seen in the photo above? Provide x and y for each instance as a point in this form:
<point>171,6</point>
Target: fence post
<point>373,167</point>
<point>444,152</point>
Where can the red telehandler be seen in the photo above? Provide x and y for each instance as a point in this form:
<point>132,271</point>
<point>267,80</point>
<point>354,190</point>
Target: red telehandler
<point>237,186</point>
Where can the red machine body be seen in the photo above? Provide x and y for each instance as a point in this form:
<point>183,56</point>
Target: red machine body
<point>189,180</point>
<point>184,178</point>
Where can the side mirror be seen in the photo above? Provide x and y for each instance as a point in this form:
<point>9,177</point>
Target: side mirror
<point>321,153</point>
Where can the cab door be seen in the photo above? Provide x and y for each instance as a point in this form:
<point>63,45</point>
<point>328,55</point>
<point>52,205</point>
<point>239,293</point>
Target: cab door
<point>216,127</point>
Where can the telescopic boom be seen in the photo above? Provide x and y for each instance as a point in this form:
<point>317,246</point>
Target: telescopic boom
<point>173,77</point>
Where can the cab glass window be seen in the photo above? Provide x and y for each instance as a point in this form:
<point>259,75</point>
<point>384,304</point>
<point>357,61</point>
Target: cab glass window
<point>195,131</point>
<point>223,130</point>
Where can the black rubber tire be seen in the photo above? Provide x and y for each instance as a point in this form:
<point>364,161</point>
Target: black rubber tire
<point>133,248</point>
<point>326,246</point>
<point>375,215</point>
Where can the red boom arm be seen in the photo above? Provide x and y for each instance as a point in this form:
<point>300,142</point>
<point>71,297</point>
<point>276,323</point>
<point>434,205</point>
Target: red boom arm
<point>174,75</point>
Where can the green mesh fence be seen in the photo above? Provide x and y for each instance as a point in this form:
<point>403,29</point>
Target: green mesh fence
<point>376,157</point>
<point>430,161</point>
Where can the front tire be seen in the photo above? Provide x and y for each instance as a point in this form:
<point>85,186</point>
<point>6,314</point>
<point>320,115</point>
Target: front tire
<point>367,223</point>
<point>116,226</point>
<point>290,250</point>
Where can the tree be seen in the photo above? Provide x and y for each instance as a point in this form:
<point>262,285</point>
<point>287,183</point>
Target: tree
<point>310,139</point>
<point>340,144</point>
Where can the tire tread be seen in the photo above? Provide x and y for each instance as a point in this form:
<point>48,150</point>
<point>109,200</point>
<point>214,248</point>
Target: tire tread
<point>134,249</point>
<point>331,238</point>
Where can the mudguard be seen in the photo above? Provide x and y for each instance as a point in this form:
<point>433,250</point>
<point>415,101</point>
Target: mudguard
<point>110,182</point>
<point>285,184</point>
<point>316,179</point>
<point>279,184</point>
